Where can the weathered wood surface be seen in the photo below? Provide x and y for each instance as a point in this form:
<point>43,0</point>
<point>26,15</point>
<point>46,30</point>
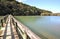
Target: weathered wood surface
<point>9,32</point>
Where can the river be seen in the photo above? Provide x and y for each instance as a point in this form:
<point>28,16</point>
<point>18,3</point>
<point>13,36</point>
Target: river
<point>46,27</point>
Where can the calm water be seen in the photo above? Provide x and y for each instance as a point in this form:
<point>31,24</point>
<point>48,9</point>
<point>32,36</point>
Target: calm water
<point>43,26</point>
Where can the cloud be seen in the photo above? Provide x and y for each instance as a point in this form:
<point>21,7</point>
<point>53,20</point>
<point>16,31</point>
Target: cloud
<point>21,0</point>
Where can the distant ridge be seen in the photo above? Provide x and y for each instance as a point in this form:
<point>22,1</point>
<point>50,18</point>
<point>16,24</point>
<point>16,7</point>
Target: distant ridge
<point>18,8</point>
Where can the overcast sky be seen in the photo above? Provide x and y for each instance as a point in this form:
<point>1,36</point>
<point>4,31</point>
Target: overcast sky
<point>51,5</point>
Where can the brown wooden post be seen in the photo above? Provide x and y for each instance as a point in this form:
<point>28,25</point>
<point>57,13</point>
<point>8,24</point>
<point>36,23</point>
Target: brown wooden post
<point>4,19</point>
<point>13,21</point>
<point>2,22</point>
<point>28,37</point>
<point>16,25</point>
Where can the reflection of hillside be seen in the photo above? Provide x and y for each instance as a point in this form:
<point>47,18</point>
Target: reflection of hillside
<point>50,14</point>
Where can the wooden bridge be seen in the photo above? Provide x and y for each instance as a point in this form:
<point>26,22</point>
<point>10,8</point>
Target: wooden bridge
<point>13,29</point>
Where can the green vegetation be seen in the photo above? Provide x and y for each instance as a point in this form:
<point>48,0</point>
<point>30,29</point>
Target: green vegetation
<point>18,8</point>
<point>6,0</point>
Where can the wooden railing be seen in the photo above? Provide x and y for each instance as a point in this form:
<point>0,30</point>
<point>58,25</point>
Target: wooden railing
<point>3,23</point>
<point>3,20</point>
<point>23,31</point>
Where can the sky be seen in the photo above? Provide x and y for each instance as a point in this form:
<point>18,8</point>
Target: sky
<point>51,5</point>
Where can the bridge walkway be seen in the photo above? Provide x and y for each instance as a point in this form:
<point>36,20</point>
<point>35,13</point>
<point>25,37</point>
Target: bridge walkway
<point>13,29</point>
<point>9,31</point>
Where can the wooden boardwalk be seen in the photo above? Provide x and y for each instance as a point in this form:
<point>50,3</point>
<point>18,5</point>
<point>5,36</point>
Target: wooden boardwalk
<point>9,32</point>
<point>13,29</point>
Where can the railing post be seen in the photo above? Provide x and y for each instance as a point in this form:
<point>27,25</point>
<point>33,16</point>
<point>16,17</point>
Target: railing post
<point>13,21</point>
<point>28,37</point>
<point>16,25</point>
<point>2,22</point>
<point>5,19</point>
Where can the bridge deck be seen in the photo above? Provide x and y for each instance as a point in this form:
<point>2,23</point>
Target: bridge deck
<point>9,31</point>
<point>16,30</point>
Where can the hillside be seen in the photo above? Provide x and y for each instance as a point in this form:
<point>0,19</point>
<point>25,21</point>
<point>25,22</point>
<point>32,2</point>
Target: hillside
<point>18,8</point>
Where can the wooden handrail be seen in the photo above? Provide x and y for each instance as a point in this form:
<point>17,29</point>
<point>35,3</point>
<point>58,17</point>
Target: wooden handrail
<point>3,20</point>
<point>29,33</point>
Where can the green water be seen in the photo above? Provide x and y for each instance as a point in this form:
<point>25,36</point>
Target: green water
<point>46,27</point>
